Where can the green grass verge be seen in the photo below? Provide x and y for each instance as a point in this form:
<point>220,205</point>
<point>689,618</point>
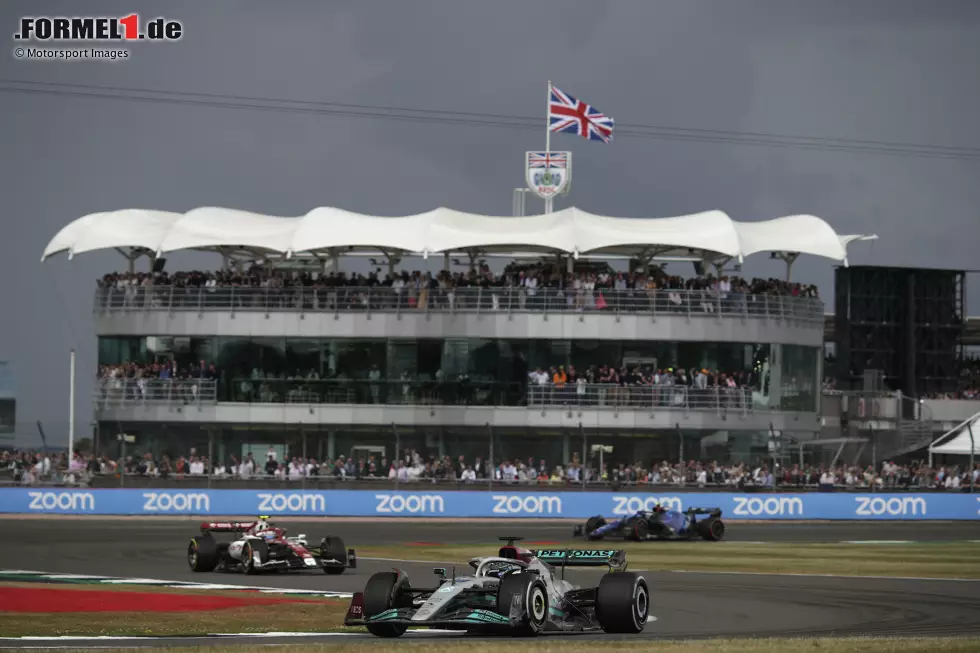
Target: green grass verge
<point>925,560</point>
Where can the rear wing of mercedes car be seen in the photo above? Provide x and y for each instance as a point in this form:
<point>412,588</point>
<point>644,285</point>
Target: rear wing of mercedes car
<point>612,558</point>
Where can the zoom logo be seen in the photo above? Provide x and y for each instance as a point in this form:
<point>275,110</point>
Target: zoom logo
<point>893,507</point>
<point>628,505</point>
<point>291,502</point>
<point>62,501</point>
<point>413,503</point>
<point>771,507</point>
<point>527,504</point>
<point>189,502</point>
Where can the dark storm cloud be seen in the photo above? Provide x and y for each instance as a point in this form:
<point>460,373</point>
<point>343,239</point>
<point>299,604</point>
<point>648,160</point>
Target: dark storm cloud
<point>891,71</point>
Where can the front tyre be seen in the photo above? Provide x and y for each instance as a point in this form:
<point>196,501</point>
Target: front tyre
<point>250,550</point>
<point>533,596</point>
<point>202,553</point>
<point>592,524</point>
<point>622,603</point>
<point>384,592</point>
<point>640,530</point>
<point>333,548</point>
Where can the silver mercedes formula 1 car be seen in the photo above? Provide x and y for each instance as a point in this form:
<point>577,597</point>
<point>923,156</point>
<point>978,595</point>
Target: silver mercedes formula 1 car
<point>519,591</point>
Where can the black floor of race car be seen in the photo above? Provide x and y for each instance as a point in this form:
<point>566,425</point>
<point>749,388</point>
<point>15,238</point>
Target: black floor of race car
<point>686,605</point>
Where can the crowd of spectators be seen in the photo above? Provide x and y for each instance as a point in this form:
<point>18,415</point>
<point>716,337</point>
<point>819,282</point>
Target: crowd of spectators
<point>31,467</point>
<point>593,289</point>
<point>559,384</point>
<point>28,467</point>
<point>630,384</point>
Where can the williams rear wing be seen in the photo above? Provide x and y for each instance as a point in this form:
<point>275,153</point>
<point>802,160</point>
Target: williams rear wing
<point>714,512</point>
<point>613,558</point>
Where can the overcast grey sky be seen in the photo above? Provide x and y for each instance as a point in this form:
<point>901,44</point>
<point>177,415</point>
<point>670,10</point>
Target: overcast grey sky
<point>889,70</point>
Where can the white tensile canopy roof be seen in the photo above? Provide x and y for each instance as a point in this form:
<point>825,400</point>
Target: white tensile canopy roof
<point>326,229</point>
<point>956,441</point>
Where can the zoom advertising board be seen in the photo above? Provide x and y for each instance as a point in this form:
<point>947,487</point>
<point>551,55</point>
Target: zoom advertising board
<point>494,504</point>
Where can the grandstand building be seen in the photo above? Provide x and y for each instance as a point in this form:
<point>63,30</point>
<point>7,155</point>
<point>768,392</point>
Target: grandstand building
<point>280,351</point>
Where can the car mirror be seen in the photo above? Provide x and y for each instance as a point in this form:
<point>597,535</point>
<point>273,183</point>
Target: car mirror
<point>439,571</point>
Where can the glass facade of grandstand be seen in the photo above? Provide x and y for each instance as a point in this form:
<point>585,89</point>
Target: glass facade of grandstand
<point>460,371</point>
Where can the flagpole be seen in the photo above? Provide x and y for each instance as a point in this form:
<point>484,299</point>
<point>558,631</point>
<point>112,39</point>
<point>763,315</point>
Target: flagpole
<point>547,138</point>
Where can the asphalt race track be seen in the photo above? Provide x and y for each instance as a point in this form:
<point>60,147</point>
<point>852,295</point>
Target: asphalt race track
<point>686,605</point>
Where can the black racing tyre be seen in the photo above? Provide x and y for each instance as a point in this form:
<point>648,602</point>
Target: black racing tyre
<point>534,598</point>
<point>383,592</point>
<point>249,549</point>
<point>622,602</point>
<point>712,529</point>
<point>640,530</point>
<point>592,524</point>
<point>333,547</point>
<point>202,553</point>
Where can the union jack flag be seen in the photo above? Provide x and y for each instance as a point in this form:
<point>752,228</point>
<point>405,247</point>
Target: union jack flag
<point>568,115</point>
<point>547,160</point>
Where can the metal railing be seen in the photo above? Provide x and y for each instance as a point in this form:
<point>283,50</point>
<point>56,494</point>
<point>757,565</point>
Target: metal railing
<point>115,392</point>
<point>490,300</point>
<point>616,397</point>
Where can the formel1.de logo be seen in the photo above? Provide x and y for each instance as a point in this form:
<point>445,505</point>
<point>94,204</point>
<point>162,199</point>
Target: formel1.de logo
<point>97,28</point>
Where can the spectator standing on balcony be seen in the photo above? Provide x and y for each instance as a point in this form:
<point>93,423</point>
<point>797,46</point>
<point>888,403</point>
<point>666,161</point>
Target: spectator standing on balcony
<point>560,379</point>
<point>271,465</point>
<point>197,466</point>
<point>295,470</point>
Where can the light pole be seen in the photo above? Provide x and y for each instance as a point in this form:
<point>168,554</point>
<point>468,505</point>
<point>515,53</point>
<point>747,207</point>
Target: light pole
<point>973,476</point>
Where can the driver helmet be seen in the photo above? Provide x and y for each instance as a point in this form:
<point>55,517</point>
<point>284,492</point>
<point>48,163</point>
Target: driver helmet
<point>261,525</point>
<point>659,508</point>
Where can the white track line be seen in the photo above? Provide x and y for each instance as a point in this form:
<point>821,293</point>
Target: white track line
<point>879,542</point>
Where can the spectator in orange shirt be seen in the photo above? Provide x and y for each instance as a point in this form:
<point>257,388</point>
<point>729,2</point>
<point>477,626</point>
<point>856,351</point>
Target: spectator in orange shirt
<point>560,377</point>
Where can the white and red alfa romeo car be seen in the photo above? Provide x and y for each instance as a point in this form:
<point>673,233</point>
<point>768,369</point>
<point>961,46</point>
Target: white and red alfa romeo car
<point>264,547</point>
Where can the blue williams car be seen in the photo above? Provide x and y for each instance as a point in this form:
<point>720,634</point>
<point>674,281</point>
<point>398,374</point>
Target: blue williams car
<point>658,524</point>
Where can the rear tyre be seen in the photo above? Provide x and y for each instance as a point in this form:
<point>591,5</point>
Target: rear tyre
<point>250,549</point>
<point>534,597</point>
<point>712,529</point>
<point>622,603</point>
<point>592,524</point>
<point>383,592</point>
<point>333,547</point>
<point>202,553</point>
